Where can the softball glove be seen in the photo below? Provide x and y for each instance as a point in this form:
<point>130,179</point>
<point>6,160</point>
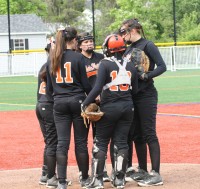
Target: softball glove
<point>91,113</point>
<point>140,60</point>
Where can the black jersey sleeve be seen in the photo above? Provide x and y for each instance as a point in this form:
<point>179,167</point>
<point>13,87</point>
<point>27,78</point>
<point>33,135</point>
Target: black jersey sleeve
<point>134,82</point>
<point>49,83</point>
<point>153,53</point>
<point>83,76</point>
<point>100,82</point>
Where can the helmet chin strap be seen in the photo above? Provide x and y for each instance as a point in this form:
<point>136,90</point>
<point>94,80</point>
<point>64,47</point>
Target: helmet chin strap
<point>89,50</point>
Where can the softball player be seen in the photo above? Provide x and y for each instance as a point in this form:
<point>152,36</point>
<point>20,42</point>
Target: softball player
<point>114,80</point>
<point>67,78</point>
<point>92,59</point>
<point>145,103</point>
<point>44,112</point>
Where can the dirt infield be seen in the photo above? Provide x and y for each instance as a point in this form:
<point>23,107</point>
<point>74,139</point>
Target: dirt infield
<point>176,176</point>
<point>21,147</point>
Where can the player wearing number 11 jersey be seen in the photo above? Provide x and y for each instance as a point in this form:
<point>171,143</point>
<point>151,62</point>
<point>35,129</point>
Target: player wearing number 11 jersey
<point>68,80</point>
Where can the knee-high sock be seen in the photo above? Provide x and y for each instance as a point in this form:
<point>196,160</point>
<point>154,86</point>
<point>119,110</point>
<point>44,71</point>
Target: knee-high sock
<point>45,156</point>
<point>112,153</point>
<point>154,150</point>
<point>44,170</point>
<point>83,164</point>
<point>51,163</point>
<point>141,151</point>
<point>61,167</point>
<point>130,153</point>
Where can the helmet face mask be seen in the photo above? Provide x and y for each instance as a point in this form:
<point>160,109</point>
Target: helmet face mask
<point>85,42</point>
<point>113,44</point>
<point>87,45</point>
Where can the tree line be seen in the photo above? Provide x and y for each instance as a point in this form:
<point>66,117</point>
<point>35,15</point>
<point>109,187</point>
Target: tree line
<point>156,16</point>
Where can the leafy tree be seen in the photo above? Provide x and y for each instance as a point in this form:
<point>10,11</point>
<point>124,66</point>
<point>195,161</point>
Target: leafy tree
<point>189,27</point>
<point>156,16</point>
<point>188,20</point>
<point>64,11</point>
<point>37,7</point>
<point>102,24</point>
<point>147,13</point>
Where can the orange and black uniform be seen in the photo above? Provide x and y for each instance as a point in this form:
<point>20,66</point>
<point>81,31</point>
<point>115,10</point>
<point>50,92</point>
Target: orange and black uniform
<point>91,66</point>
<point>70,86</point>
<point>143,129</point>
<point>114,100</point>
<point>44,112</point>
<point>117,105</point>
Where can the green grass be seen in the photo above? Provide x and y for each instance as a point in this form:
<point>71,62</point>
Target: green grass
<point>178,87</point>
<point>19,93</point>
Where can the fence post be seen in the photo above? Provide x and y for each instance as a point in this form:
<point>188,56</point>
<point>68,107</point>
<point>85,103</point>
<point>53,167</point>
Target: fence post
<point>173,58</point>
<point>197,56</point>
<point>10,64</point>
<point>35,66</point>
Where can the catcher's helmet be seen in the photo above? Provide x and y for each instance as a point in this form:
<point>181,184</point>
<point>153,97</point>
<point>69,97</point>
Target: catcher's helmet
<point>84,36</point>
<point>112,44</point>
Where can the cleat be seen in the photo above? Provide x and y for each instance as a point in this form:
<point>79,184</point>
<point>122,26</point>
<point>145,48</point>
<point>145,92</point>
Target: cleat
<point>52,182</point>
<point>138,175</point>
<point>43,180</point>
<point>129,174</point>
<point>84,182</point>
<point>154,179</point>
<point>118,183</point>
<point>105,177</point>
<point>61,186</point>
<point>96,184</point>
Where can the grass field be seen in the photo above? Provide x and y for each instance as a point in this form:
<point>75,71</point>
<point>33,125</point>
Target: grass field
<point>19,93</point>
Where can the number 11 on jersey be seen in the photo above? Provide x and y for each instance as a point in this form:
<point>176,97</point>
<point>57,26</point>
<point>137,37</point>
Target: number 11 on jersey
<point>68,78</point>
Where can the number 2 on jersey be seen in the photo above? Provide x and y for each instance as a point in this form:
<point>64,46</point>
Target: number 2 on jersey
<point>124,87</point>
<point>68,78</point>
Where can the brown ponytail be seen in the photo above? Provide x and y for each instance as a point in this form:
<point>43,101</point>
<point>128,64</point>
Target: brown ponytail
<point>62,37</point>
<point>57,52</point>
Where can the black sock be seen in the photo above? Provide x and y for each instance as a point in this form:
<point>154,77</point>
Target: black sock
<point>51,163</point>
<point>44,170</point>
<point>61,167</point>
<point>45,157</point>
<point>130,153</point>
<point>141,150</point>
<point>112,154</point>
<point>83,164</point>
<point>154,150</point>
